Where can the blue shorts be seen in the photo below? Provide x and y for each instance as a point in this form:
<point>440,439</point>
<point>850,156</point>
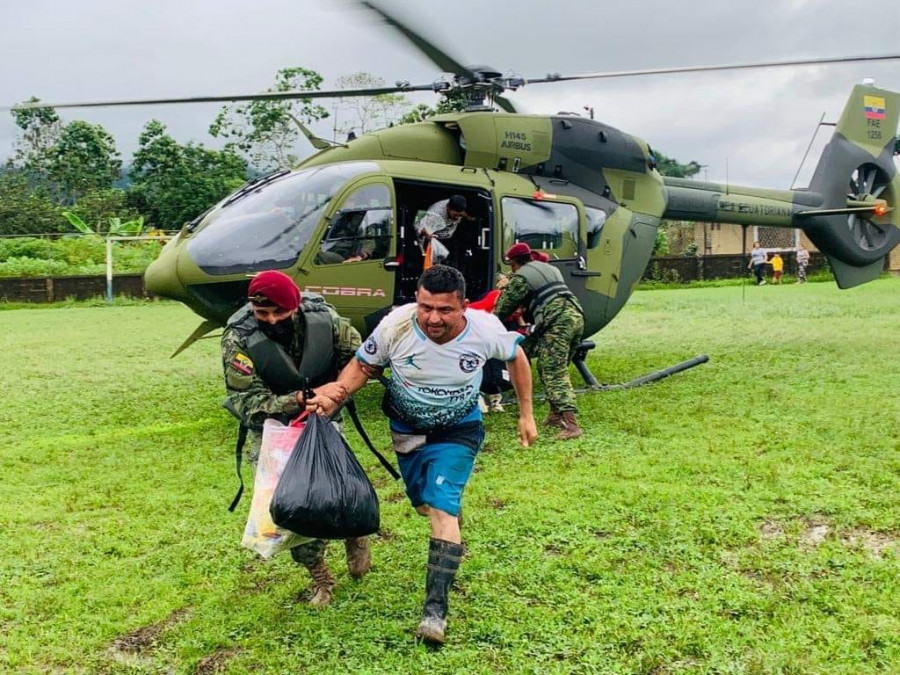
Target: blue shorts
<point>436,475</point>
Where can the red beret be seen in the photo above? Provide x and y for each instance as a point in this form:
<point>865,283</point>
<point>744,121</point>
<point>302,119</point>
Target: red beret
<point>274,288</point>
<point>517,250</point>
<point>540,256</point>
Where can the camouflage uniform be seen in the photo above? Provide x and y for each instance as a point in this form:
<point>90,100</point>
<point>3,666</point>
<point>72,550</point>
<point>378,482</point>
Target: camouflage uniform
<point>250,397</point>
<point>553,343</point>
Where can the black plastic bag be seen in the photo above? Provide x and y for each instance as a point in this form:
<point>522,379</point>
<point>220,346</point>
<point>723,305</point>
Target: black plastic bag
<point>323,491</point>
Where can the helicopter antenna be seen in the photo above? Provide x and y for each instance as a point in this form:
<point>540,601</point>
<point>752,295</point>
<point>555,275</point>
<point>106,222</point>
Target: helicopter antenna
<point>743,261</point>
<point>808,147</point>
<point>726,175</point>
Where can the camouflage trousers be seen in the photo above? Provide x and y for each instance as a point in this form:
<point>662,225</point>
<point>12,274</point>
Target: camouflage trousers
<point>553,349</point>
<point>309,552</point>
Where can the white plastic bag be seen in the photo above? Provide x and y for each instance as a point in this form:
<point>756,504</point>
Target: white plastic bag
<point>439,252</point>
<point>261,534</point>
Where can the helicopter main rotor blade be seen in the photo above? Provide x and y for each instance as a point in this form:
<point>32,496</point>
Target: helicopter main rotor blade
<point>440,58</point>
<point>266,96</point>
<point>505,104</point>
<point>701,69</point>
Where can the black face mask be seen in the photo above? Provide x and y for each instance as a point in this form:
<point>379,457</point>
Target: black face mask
<point>280,331</point>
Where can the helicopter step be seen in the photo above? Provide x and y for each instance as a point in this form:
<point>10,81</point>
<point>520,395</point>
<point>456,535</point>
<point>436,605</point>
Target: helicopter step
<point>578,361</point>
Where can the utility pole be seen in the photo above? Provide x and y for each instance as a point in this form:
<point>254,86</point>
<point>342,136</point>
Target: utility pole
<point>335,129</point>
<point>590,111</point>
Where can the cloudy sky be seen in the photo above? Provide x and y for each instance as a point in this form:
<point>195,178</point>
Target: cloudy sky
<point>756,123</point>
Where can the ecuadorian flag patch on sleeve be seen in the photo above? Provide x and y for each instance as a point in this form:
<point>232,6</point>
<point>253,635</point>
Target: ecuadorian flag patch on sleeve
<point>242,363</point>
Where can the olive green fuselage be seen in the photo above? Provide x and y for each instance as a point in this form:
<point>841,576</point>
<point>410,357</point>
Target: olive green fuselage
<point>559,163</point>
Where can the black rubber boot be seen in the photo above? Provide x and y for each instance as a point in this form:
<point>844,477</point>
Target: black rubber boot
<point>443,562</point>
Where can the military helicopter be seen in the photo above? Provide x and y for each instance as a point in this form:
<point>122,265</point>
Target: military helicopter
<point>583,192</point>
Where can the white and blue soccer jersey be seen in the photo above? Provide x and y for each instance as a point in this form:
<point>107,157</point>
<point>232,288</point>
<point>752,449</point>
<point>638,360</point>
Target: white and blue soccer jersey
<point>436,385</point>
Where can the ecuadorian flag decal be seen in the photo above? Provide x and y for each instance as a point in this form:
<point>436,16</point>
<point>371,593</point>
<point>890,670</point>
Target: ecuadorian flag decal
<point>873,107</point>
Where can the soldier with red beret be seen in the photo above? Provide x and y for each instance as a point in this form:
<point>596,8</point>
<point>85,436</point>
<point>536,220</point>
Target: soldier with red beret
<point>275,332</point>
<point>538,288</point>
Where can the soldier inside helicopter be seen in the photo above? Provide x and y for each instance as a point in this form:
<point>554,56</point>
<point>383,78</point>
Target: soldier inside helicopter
<point>469,249</point>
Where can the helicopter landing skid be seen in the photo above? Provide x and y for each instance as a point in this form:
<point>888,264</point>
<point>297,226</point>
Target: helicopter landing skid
<point>593,385</point>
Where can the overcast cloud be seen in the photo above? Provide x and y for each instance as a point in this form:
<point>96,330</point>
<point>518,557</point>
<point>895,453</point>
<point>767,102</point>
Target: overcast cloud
<point>759,122</point>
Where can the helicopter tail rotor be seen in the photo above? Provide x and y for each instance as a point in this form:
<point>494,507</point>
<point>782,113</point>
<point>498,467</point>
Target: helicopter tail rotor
<point>858,223</point>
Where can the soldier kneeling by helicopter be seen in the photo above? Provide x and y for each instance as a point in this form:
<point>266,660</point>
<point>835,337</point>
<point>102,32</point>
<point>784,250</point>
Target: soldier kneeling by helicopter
<point>269,346</point>
<point>538,288</point>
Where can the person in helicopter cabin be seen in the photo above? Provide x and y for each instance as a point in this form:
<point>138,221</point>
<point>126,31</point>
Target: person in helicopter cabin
<point>347,242</point>
<point>557,324</point>
<point>275,323</point>
<point>440,223</point>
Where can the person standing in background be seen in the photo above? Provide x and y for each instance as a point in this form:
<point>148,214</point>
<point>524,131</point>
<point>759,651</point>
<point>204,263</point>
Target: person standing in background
<point>777,263</point>
<point>802,263</point>
<point>758,260</point>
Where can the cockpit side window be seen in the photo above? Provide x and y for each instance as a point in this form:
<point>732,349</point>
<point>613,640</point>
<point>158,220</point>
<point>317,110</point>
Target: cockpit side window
<point>543,225</point>
<point>269,226</point>
<point>596,218</point>
<point>361,230</point>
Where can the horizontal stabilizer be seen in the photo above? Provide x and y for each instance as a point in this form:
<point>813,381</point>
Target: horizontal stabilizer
<point>848,276</point>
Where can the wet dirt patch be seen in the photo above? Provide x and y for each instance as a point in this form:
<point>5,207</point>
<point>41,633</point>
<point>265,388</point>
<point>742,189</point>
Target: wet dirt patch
<point>497,503</point>
<point>813,535</point>
<point>876,544</point>
<point>145,638</point>
<point>771,529</point>
<point>136,648</point>
<point>729,558</point>
<point>761,581</point>
<point>553,550</point>
<point>251,565</point>
<point>215,662</point>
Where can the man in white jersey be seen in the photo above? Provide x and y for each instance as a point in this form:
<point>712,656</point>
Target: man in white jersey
<point>435,350</point>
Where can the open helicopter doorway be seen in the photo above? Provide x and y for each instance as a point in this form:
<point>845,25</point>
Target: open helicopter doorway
<point>470,248</point>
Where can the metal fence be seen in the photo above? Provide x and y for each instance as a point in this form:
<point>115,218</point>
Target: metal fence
<point>669,269</point>
<point>684,269</point>
<point>56,289</point>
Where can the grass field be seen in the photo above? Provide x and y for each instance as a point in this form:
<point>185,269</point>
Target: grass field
<point>743,517</point>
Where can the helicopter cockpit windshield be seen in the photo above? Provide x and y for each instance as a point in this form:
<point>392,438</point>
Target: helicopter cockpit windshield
<point>268,228</point>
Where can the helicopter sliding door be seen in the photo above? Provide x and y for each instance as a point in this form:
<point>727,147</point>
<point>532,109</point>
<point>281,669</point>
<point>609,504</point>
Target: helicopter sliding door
<point>348,265</point>
<point>470,247</point>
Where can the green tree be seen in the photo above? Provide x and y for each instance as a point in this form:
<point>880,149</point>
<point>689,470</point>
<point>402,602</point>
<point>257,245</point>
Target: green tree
<point>25,210</point>
<point>263,131</point>
<point>83,159</point>
<point>454,101</point>
<point>668,166</point>
<point>367,112</point>
<point>104,207</point>
<point>41,128</point>
<point>174,183</point>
